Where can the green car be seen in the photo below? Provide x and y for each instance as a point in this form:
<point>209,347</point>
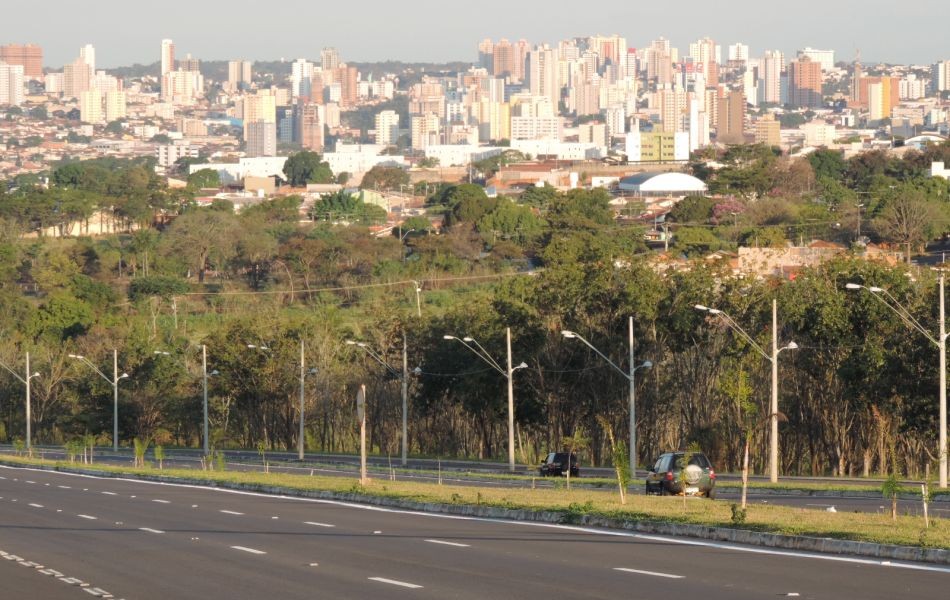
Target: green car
<point>669,477</point>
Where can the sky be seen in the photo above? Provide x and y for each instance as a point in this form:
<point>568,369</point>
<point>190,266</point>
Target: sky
<point>130,31</point>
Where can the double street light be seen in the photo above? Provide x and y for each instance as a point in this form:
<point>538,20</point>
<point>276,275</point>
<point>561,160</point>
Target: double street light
<point>772,358</point>
<point>940,341</point>
<point>483,354</point>
<point>303,376</point>
<point>404,378</point>
<point>631,377</point>
<point>204,404</point>
<point>25,380</point>
<point>114,382</point>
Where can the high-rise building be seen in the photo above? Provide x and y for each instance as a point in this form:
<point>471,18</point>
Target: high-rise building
<point>804,83</point>
<point>543,74</point>
<point>301,72</point>
<point>660,62</point>
<point>739,53</point>
<point>261,139</point>
<point>189,64</point>
<point>503,59</point>
<point>616,118</point>
<point>11,84</point>
<point>115,106</point>
<point>329,59</point>
<point>940,76</point>
<point>673,109</point>
<point>88,55</point>
<point>28,56</point>
<point>826,58</point>
<point>885,97</point>
<point>772,66</point>
<point>182,87</point>
<point>425,131</point>
<point>310,126</point>
<point>90,106</point>
<point>730,126</point>
<point>387,127</point>
<point>348,78</point>
<point>486,52</point>
<point>168,66</point>
<point>77,77</point>
<point>286,127</point>
<point>239,74</point>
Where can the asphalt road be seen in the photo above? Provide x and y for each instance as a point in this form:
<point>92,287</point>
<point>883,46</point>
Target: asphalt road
<point>143,541</point>
<point>341,467</point>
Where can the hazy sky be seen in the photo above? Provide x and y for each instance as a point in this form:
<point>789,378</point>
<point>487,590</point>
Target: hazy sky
<point>128,31</point>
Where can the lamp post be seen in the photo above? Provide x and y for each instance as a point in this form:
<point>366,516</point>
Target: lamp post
<point>772,358</point>
<point>25,380</point>
<point>303,375</point>
<point>483,354</point>
<point>631,378</point>
<point>418,287</point>
<point>404,378</point>
<point>115,390</point>
<point>940,341</point>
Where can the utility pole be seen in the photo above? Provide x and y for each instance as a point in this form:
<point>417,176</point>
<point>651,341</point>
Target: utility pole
<point>29,418</point>
<point>405,400</point>
<point>300,436</point>
<point>773,416</point>
<point>115,400</point>
<point>511,406</point>
<point>204,403</point>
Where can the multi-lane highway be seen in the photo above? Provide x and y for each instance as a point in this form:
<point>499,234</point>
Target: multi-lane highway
<point>480,474</point>
<point>139,540</point>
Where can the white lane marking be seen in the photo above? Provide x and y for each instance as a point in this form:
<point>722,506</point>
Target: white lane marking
<point>110,493</point>
<point>394,582</point>
<point>514,523</point>
<point>161,501</point>
<point>150,530</point>
<point>653,573</point>
<point>72,581</point>
<point>231,512</point>
<point>443,542</point>
<point>86,517</point>
<point>97,592</point>
<point>316,524</point>
<point>36,505</point>
<point>251,550</point>
<point>64,487</point>
<point>30,481</point>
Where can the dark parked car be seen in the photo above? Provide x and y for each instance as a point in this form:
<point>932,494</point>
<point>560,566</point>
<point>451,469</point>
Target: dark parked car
<point>555,462</point>
<point>698,479</point>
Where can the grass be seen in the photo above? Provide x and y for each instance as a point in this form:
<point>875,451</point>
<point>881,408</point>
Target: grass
<point>869,527</point>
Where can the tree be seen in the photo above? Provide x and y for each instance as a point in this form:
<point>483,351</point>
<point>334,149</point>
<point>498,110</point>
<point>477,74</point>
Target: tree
<point>203,238</point>
<point>306,167</point>
<point>910,218</point>
<point>692,210</point>
<point>115,128</point>
<point>204,178</point>
<point>385,178</point>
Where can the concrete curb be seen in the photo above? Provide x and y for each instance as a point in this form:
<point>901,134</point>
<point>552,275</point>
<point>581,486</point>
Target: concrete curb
<point>720,534</point>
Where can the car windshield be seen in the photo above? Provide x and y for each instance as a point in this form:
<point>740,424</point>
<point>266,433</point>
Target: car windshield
<point>561,457</point>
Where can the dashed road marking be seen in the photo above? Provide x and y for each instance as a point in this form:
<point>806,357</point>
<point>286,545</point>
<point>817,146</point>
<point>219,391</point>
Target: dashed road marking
<point>64,487</point>
<point>36,505</point>
<point>316,524</point>
<point>91,518</point>
<point>110,493</point>
<point>445,543</point>
<point>251,550</point>
<point>150,530</point>
<point>652,573</point>
<point>231,512</point>
<point>161,501</point>
<point>394,582</point>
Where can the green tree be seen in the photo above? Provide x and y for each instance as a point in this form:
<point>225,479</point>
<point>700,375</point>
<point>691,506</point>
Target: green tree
<point>385,178</point>
<point>306,167</point>
<point>204,178</point>
<point>692,210</point>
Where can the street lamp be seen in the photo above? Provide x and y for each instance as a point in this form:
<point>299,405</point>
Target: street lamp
<point>302,379</point>
<point>25,380</point>
<point>205,445</point>
<point>940,341</point>
<point>773,358</point>
<point>631,378</point>
<point>404,378</point>
<point>418,287</point>
<point>507,373</point>
<point>115,390</point>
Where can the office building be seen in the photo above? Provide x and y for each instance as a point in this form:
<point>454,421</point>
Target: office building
<point>804,83</point>
<point>11,84</point>
<point>28,56</point>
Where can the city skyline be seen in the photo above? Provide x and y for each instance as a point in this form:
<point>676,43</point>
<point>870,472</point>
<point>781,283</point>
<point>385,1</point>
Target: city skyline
<point>910,35</point>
